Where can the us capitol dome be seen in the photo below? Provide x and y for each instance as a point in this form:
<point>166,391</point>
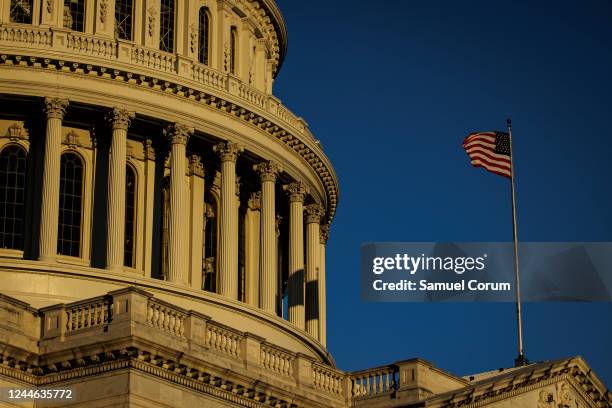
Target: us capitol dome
<point>164,219</point>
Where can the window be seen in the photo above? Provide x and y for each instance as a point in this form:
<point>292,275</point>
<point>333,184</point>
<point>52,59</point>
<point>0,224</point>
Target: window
<point>123,19</point>
<point>130,217</point>
<point>12,196</point>
<point>21,11</point>
<point>166,23</point>
<point>74,14</point>
<point>165,191</point>
<point>241,255</point>
<point>70,205</point>
<point>233,48</point>
<point>209,264</point>
<point>204,35</point>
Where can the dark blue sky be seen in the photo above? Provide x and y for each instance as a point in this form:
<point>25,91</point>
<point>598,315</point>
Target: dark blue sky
<point>391,88</point>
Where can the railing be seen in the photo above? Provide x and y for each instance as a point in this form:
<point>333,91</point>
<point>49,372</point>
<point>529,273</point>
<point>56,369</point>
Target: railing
<point>154,59</point>
<point>208,76</point>
<point>70,42</point>
<point>252,95</point>
<point>166,318</point>
<point>374,381</point>
<point>326,379</point>
<point>97,47</point>
<point>88,315</point>
<point>277,360</point>
<point>26,35</point>
<point>223,340</point>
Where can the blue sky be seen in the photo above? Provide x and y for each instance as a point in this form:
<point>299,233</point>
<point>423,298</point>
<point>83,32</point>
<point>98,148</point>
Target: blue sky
<point>391,89</point>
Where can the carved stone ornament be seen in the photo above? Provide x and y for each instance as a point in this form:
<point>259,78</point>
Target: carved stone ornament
<point>49,6</point>
<point>296,191</point>
<point>178,133</point>
<point>238,185</point>
<point>268,171</point>
<point>564,396</point>
<point>227,52</point>
<point>324,234</point>
<point>16,132</point>
<point>196,167</point>
<point>151,12</point>
<point>314,213</point>
<point>120,118</point>
<point>193,37</point>
<point>149,150</point>
<point>277,224</point>
<point>55,108</point>
<point>72,139</point>
<point>255,201</point>
<point>103,10</point>
<point>228,151</point>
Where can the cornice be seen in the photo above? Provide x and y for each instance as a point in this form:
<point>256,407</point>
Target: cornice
<point>308,150</point>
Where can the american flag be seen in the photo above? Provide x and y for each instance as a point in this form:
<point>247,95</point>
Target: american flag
<point>490,150</point>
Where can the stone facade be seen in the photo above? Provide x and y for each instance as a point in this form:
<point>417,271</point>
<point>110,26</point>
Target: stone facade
<point>165,218</point>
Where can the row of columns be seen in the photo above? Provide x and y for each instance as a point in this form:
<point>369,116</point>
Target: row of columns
<point>306,308</point>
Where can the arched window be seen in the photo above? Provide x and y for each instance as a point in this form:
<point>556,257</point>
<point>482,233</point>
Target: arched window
<point>165,236</point>
<point>233,49</point>
<point>209,263</point>
<point>74,14</point>
<point>204,36</point>
<point>70,205</point>
<point>124,10</point>
<point>12,196</point>
<point>21,11</point>
<point>241,255</point>
<point>130,217</point>
<point>166,24</point>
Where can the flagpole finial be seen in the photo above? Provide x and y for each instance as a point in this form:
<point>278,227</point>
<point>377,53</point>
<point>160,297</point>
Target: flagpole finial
<point>509,122</point>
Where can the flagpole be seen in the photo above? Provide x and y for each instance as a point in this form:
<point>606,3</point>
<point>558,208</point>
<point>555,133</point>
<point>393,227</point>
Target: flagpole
<point>521,360</point>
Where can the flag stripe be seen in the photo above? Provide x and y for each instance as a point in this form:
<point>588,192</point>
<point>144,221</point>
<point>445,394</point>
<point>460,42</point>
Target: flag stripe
<point>489,150</point>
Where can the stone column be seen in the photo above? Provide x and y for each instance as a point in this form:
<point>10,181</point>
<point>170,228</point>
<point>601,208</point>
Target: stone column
<point>115,207</point>
<point>296,192</point>
<point>178,258</point>
<point>196,226</point>
<point>55,109</point>
<point>268,287</point>
<point>322,288</point>
<point>228,241</point>
<point>314,213</point>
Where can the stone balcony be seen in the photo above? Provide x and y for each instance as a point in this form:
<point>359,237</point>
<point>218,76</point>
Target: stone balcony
<point>131,329</point>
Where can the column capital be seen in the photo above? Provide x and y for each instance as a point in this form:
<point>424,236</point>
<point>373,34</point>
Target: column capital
<point>296,191</point>
<point>178,133</point>
<point>228,151</point>
<point>120,118</point>
<point>196,168</point>
<point>255,201</point>
<point>268,171</point>
<point>55,108</point>
<point>324,234</point>
<point>314,213</point>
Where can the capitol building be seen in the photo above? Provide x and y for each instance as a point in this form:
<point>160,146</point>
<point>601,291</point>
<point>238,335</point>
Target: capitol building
<point>164,219</point>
